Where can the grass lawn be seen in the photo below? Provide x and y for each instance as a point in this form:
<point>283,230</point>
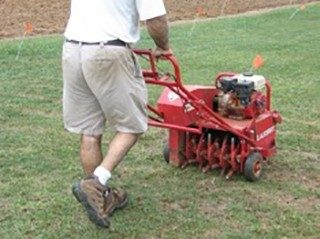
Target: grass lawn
<point>39,160</point>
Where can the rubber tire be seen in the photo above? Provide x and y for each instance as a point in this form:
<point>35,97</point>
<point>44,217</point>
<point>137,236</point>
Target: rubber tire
<point>166,152</point>
<point>249,166</point>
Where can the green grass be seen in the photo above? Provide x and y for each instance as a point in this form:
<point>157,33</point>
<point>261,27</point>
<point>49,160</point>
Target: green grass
<point>39,160</point>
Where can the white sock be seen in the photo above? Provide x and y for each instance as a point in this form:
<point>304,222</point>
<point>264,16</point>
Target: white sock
<point>103,175</point>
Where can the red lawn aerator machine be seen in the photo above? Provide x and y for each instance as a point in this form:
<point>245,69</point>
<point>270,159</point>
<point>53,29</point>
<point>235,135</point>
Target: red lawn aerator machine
<point>229,125</point>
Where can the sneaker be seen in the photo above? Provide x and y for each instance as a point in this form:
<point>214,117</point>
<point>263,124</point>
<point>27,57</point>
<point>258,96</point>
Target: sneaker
<point>98,200</point>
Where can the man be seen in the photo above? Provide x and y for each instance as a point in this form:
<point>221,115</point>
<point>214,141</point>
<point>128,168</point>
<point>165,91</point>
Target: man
<point>103,82</point>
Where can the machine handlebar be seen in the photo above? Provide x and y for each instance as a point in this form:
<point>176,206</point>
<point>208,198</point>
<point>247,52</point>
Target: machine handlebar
<point>153,76</point>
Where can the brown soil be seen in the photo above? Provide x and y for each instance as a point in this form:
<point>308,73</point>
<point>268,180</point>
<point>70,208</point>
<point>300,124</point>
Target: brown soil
<point>51,16</point>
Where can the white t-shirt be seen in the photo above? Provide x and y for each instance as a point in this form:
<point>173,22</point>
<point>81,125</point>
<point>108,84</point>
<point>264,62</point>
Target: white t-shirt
<point>105,20</point>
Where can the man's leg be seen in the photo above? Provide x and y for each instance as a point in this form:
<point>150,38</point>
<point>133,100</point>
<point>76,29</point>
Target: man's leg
<point>99,200</point>
<point>118,148</point>
<point>90,153</point>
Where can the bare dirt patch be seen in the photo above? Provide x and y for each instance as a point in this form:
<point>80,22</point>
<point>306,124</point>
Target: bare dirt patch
<point>301,204</point>
<point>51,16</point>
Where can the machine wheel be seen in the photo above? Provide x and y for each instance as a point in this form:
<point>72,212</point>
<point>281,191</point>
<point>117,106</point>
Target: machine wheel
<point>253,166</point>
<point>166,152</point>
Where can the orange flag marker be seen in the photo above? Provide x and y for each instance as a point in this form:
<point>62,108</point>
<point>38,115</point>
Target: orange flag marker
<point>200,11</point>
<point>257,62</point>
<point>28,27</point>
<point>302,7</point>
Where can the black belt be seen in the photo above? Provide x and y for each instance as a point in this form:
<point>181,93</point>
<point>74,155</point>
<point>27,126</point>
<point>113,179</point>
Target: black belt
<point>116,42</point>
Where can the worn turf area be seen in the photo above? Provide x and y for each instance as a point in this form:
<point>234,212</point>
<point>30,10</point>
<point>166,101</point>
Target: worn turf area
<point>39,160</point>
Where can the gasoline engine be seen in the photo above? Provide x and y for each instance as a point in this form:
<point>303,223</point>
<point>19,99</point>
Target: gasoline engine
<point>241,96</point>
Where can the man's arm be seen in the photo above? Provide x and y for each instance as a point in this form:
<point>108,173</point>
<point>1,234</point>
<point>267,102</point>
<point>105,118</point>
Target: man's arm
<point>158,29</point>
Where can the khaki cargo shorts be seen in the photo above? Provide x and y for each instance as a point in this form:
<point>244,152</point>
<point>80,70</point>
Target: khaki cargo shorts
<point>102,83</point>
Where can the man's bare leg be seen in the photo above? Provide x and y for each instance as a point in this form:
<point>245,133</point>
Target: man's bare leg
<point>118,148</point>
<point>99,200</point>
<point>90,153</point>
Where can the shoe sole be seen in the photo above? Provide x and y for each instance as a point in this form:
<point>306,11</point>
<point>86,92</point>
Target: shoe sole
<point>76,191</point>
<point>92,214</point>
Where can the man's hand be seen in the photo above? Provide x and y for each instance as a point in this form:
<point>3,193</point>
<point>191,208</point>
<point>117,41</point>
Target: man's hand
<point>158,52</point>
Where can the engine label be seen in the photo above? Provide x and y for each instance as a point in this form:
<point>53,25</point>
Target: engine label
<point>266,133</point>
